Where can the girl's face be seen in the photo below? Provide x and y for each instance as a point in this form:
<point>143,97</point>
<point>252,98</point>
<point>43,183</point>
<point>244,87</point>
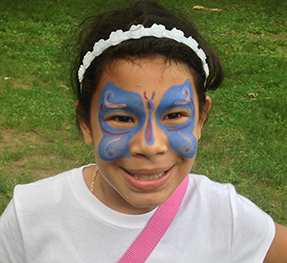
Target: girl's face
<point>144,127</point>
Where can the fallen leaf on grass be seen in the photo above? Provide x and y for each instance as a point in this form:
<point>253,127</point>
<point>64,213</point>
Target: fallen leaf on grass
<point>218,115</point>
<point>252,95</point>
<point>64,87</point>
<point>202,8</point>
<point>281,22</point>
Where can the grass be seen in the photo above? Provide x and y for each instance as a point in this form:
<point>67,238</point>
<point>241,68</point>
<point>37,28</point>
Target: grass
<point>244,141</point>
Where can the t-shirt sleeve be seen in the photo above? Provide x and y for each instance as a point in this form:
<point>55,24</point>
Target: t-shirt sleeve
<point>11,241</point>
<point>252,232</point>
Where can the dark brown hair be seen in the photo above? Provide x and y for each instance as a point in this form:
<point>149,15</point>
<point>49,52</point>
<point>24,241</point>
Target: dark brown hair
<point>146,13</point>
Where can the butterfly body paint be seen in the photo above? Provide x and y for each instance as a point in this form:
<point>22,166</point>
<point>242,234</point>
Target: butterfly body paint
<point>115,142</point>
<point>149,137</point>
<point>181,138</point>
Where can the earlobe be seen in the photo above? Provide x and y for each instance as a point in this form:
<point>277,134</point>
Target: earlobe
<point>85,128</point>
<point>207,107</point>
<point>204,115</point>
<point>87,133</point>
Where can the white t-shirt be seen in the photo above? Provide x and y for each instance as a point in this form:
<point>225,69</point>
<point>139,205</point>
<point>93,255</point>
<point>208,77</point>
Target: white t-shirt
<point>58,220</point>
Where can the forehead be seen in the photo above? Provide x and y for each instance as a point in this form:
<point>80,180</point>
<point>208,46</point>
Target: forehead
<point>146,75</point>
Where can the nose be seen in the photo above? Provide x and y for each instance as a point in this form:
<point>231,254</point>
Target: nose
<point>149,142</point>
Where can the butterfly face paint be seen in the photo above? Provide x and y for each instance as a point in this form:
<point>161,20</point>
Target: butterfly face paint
<point>149,137</point>
<point>115,143</point>
<point>181,138</point>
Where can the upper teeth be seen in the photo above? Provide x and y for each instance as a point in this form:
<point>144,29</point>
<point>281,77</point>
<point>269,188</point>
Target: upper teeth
<point>148,177</point>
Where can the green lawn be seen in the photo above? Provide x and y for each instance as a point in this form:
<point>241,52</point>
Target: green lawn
<point>244,141</point>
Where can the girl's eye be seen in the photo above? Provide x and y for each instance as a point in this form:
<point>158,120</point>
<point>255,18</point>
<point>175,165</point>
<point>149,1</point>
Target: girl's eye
<point>175,115</point>
<point>123,119</point>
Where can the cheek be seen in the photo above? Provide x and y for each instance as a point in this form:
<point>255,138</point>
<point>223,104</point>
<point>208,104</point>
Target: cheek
<point>183,142</point>
<point>114,147</point>
<point>115,143</point>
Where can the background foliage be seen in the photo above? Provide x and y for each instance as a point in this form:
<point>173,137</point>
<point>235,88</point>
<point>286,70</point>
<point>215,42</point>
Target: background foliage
<point>244,141</point>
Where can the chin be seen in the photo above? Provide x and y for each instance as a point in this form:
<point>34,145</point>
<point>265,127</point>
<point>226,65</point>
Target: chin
<point>145,202</point>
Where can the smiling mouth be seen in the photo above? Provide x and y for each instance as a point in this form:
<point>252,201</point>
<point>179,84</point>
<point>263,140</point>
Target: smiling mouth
<point>147,177</point>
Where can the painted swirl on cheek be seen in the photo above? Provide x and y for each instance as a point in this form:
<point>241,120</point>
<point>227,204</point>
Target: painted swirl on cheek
<point>180,137</point>
<point>115,101</point>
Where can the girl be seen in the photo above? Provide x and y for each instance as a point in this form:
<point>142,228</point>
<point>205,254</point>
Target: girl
<point>142,75</point>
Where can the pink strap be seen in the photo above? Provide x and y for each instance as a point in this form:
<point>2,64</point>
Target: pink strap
<point>147,240</point>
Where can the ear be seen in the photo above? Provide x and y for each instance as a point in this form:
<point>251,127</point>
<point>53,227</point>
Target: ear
<point>87,133</point>
<point>204,115</point>
<point>85,128</point>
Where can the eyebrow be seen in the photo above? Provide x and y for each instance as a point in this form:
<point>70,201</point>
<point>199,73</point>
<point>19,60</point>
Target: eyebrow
<point>175,106</point>
<point>106,109</point>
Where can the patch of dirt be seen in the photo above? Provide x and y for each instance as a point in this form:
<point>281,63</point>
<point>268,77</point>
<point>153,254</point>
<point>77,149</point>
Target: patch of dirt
<point>22,85</point>
<point>269,36</point>
<point>38,163</point>
<point>10,138</point>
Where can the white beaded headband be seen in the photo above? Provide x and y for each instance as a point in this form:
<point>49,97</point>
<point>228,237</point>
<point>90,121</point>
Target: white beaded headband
<point>137,32</point>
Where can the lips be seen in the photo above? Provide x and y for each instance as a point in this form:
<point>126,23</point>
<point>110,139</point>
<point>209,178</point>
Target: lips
<point>148,177</point>
<point>147,180</point>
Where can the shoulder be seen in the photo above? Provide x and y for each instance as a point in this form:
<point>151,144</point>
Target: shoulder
<point>223,196</point>
<point>44,186</point>
<point>33,209</point>
<point>46,193</point>
<point>224,193</point>
<point>206,188</point>
<point>39,200</point>
<point>217,200</point>
<point>249,229</point>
